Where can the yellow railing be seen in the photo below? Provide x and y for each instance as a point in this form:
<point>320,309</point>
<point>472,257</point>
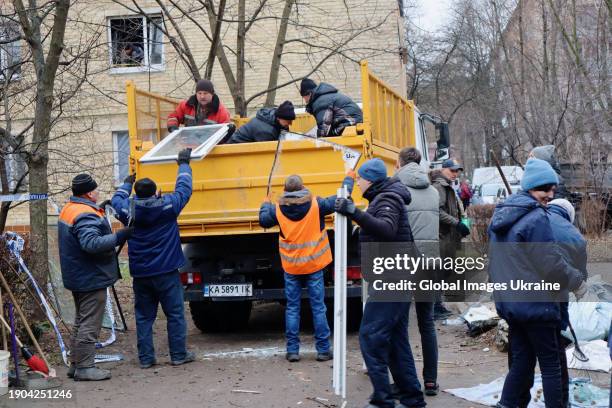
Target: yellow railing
<point>388,117</point>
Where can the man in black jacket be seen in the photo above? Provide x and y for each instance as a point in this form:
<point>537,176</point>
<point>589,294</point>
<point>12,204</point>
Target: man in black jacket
<point>332,110</point>
<point>266,125</point>
<point>383,335</point>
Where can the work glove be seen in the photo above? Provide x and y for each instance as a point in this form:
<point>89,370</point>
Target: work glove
<point>124,234</point>
<point>345,206</point>
<point>462,229</point>
<point>184,156</point>
<point>104,203</point>
<point>581,291</point>
<point>130,179</point>
<point>172,128</point>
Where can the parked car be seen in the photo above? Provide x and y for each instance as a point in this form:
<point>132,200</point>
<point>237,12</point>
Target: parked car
<point>493,193</point>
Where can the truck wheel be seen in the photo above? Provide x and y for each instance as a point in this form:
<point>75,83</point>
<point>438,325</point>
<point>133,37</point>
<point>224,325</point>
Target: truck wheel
<point>216,317</point>
<point>354,312</point>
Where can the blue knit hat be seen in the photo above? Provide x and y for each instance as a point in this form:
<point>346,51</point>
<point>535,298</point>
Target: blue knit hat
<point>373,170</point>
<point>538,173</point>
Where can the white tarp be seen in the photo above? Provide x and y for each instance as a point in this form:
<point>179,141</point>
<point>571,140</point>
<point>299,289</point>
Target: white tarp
<point>598,353</point>
<point>583,394</point>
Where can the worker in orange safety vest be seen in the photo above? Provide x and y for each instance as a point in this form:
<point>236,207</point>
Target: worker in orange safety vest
<point>305,253</point>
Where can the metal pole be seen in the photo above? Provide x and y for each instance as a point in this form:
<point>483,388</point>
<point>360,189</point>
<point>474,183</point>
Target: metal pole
<point>340,252</point>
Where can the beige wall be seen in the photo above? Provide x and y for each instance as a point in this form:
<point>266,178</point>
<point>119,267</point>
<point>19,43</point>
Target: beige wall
<point>99,108</point>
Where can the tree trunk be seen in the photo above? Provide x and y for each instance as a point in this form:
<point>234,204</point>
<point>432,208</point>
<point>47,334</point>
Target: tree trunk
<point>278,53</point>
<point>239,92</point>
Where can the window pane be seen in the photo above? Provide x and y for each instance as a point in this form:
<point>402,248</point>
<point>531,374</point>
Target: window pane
<point>127,37</point>
<point>187,137</point>
<point>122,156</point>
<point>155,41</point>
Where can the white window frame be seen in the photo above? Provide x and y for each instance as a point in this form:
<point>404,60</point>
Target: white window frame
<point>116,168</point>
<point>198,153</point>
<point>3,58</point>
<point>146,66</point>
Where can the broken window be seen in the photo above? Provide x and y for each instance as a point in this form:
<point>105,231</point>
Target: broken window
<point>136,42</point>
<point>10,52</point>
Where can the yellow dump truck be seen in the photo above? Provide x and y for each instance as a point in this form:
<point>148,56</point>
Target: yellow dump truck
<point>232,260</point>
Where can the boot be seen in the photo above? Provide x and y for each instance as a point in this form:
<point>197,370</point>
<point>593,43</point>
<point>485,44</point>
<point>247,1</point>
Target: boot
<point>325,356</point>
<point>292,357</point>
<point>91,374</point>
<point>189,357</point>
<point>71,370</point>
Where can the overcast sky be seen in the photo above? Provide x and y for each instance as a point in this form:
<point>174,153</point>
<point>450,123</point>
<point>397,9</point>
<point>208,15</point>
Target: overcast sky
<point>431,14</point>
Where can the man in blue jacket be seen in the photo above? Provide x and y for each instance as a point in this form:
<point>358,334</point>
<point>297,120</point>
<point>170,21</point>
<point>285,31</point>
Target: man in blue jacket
<point>89,266</point>
<point>522,248</point>
<point>383,335</point>
<point>155,258</point>
<point>332,110</point>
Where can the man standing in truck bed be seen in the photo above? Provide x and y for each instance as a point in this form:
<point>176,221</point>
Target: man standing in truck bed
<point>305,253</point>
<point>203,108</point>
<point>332,110</point>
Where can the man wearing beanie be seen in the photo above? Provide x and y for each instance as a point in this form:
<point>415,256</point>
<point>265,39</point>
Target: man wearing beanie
<point>523,247</point>
<point>451,229</point>
<point>203,108</point>
<point>332,110</point>
<point>89,266</point>
<point>266,125</point>
<point>155,258</point>
<point>383,335</point>
<point>305,253</point>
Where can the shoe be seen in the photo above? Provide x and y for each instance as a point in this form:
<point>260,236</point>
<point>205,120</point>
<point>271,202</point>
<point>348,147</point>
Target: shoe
<point>441,313</point>
<point>189,357</point>
<point>91,374</point>
<point>325,356</point>
<point>431,389</point>
<point>144,366</point>
<point>292,357</point>
<point>71,370</point>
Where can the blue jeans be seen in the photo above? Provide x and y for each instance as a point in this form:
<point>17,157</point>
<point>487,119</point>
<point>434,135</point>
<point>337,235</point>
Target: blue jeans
<point>383,337</point>
<point>530,343</point>
<point>148,293</point>
<point>429,341</point>
<point>316,293</point>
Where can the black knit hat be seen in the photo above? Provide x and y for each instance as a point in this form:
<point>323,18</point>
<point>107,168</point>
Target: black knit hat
<point>307,86</point>
<point>205,85</point>
<point>145,188</point>
<point>83,184</point>
<point>285,111</point>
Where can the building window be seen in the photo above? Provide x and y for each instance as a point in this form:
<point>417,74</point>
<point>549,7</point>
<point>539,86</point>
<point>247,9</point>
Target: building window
<point>136,43</point>
<point>10,52</point>
<point>121,156</point>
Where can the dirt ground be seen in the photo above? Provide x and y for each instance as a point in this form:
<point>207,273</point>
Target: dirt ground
<point>253,360</point>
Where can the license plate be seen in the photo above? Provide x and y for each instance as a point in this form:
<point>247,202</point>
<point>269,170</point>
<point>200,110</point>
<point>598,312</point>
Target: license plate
<point>228,290</point>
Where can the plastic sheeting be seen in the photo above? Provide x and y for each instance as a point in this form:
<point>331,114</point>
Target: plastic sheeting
<point>583,394</point>
<point>598,353</point>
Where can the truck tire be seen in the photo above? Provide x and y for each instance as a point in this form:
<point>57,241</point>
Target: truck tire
<point>217,317</point>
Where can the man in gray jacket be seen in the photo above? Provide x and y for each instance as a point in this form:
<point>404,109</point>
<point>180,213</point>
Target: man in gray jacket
<point>423,216</point>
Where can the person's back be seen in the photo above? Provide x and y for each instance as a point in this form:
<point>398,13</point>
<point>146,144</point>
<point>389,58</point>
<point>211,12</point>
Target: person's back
<point>332,110</point>
<point>266,126</point>
<point>155,258</point>
<point>423,210</point>
<point>155,245</point>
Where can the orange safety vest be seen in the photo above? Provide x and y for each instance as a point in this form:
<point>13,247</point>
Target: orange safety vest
<point>303,247</point>
<point>72,210</point>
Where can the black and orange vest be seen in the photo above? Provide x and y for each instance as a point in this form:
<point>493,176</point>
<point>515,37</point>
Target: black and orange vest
<point>303,247</point>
